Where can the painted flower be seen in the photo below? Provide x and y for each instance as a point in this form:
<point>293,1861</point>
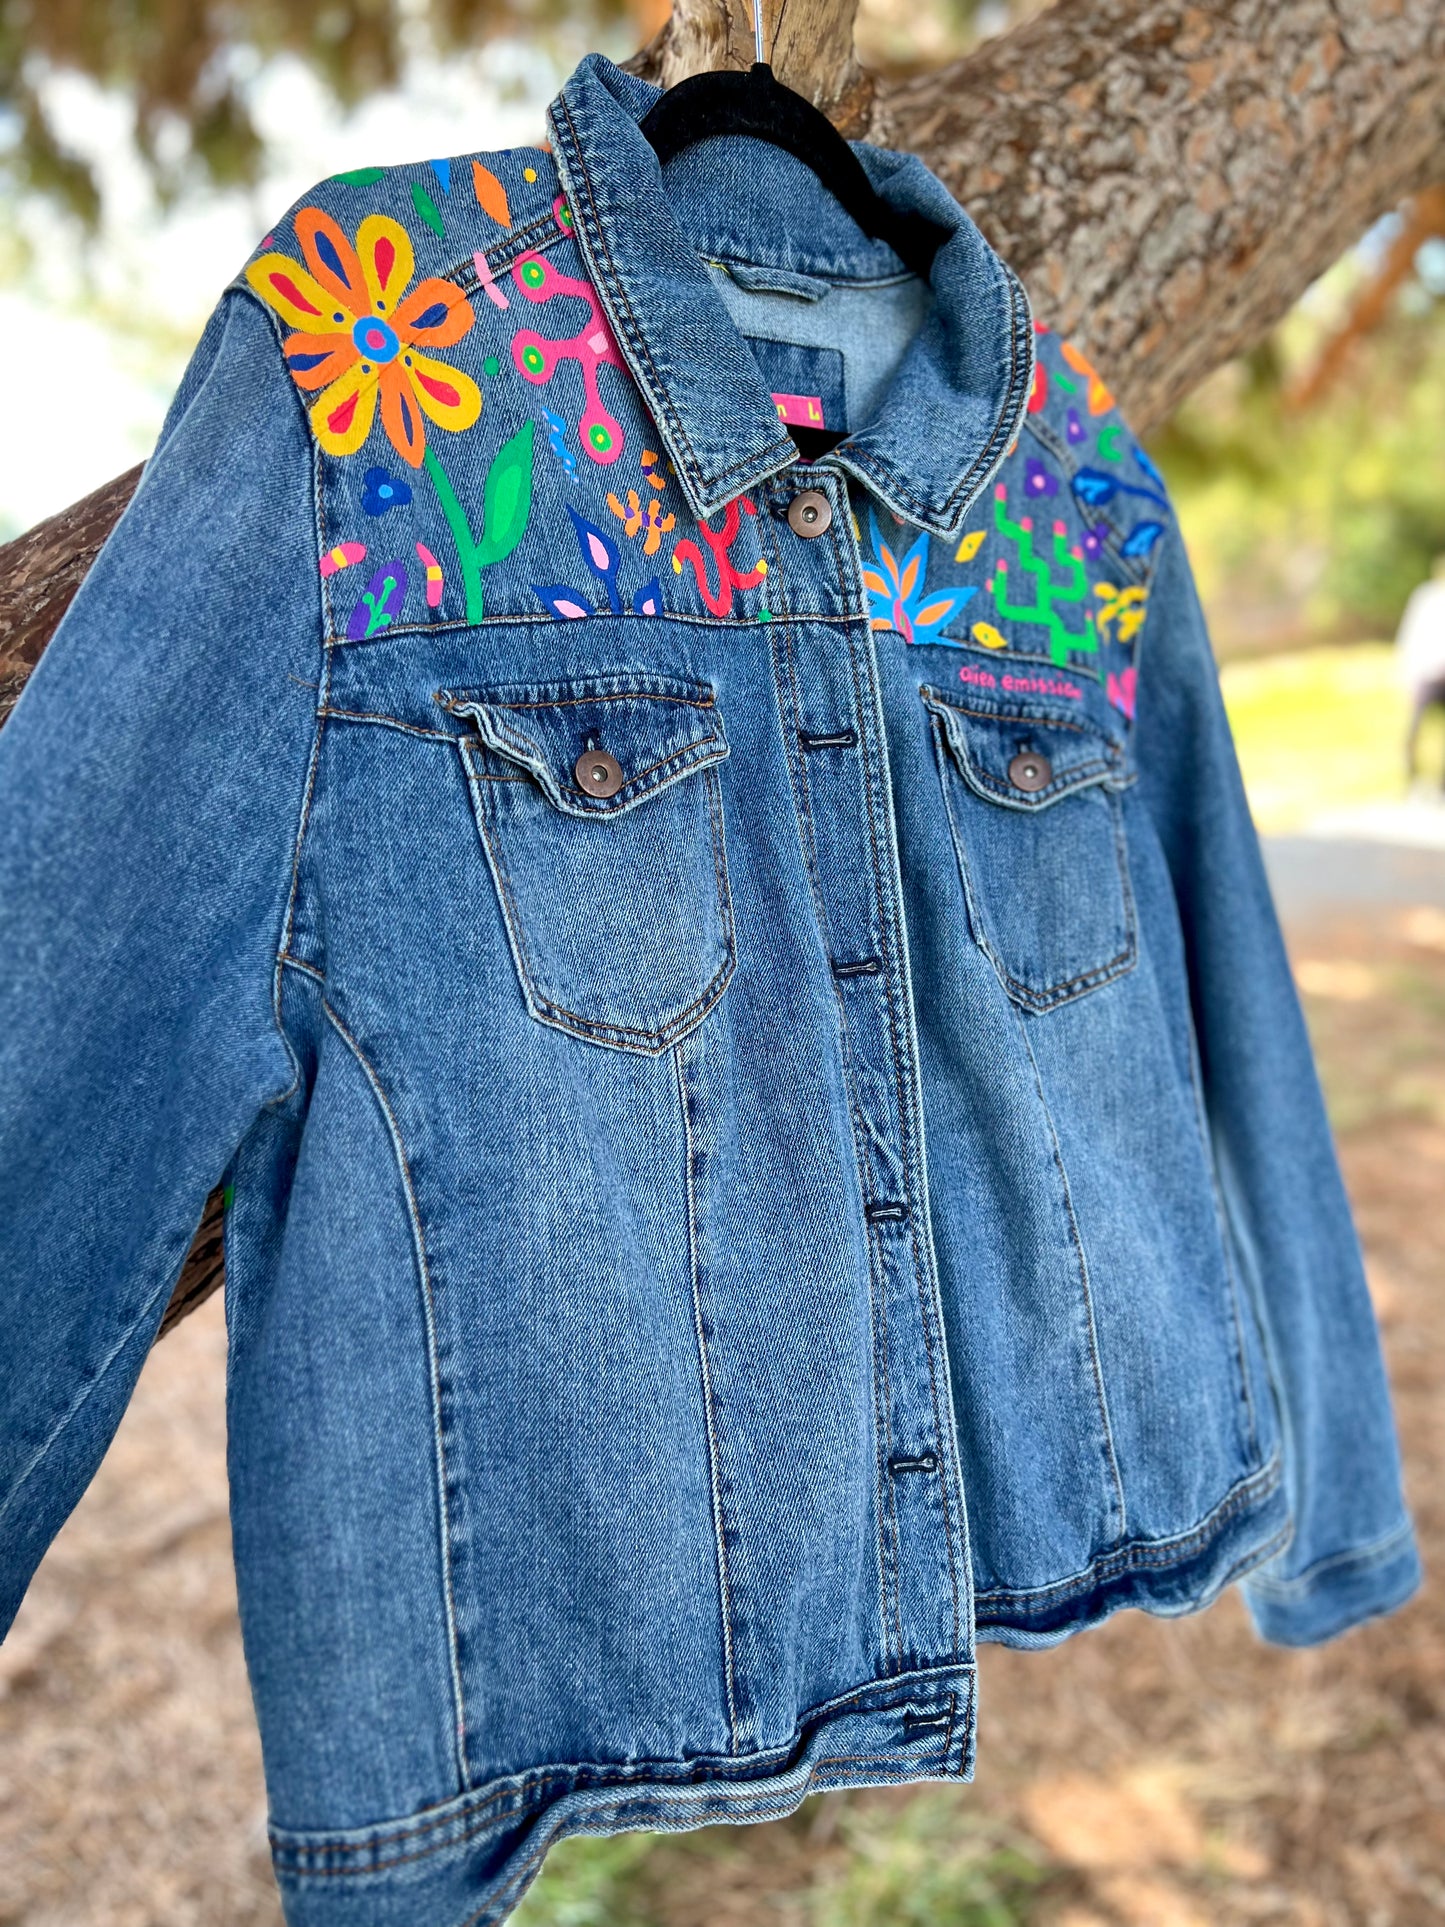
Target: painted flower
<point>896,589</point>
<point>361,338</point>
<point>380,491</point>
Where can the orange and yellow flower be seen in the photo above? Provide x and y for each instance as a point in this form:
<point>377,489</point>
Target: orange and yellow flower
<point>361,337</point>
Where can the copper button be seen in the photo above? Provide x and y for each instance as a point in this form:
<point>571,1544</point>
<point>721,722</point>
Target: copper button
<point>810,513</point>
<point>598,773</point>
<point>1030,771</point>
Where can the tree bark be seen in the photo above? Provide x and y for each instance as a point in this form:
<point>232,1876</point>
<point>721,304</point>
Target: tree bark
<point>1167,179</point>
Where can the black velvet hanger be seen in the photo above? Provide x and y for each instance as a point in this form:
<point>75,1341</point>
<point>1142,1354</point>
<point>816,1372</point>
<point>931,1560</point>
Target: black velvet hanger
<point>757,103</point>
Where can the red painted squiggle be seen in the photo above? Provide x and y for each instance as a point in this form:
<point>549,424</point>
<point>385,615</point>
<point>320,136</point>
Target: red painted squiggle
<point>719,541</point>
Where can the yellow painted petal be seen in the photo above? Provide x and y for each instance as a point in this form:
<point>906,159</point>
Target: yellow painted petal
<point>387,260</point>
<point>341,416</point>
<point>969,547</point>
<point>300,299</point>
<point>985,633</point>
<point>452,399</point>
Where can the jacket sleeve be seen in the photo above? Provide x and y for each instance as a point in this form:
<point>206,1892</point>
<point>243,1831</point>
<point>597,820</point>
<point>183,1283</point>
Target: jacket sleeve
<point>152,777</point>
<point>1353,1552</point>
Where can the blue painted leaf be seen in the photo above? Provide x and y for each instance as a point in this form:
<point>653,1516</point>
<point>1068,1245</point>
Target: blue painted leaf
<point>563,601</point>
<point>1093,486</point>
<point>649,599</point>
<point>1141,538</point>
<point>443,172</point>
<point>601,555</point>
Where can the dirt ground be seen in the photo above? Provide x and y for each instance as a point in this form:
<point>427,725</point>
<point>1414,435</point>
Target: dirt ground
<point>1150,1773</point>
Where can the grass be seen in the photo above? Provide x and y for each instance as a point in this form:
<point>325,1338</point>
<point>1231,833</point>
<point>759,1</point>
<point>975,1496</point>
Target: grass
<point>1322,729</point>
<point>841,1861</point>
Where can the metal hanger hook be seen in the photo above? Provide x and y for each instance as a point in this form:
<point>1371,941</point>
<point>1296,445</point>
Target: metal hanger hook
<point>759,55</point>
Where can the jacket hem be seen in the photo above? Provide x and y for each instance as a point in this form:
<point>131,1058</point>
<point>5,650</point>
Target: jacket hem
<point>1337,1592</point>
<point>467,1862</point>
<point>1167,1577</point>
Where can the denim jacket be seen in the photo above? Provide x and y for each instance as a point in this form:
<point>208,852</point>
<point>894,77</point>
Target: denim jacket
<point>768,1132</point>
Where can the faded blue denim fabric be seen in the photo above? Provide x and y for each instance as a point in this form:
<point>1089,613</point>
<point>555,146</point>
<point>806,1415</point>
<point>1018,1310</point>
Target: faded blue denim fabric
<point>770,1133</point>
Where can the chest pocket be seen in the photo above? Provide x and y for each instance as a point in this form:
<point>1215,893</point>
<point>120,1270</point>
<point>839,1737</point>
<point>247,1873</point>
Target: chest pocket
<point>600,813</point>
<point>1033,802</point>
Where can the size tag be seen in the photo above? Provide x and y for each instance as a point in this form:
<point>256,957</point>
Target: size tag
<point>806,385</point>
<point>800,411</point>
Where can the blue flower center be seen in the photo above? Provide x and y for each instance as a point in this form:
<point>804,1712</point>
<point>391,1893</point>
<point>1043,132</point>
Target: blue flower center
<point>375,339</point>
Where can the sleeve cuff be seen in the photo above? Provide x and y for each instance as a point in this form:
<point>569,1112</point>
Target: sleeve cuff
<point>1336,1592</point>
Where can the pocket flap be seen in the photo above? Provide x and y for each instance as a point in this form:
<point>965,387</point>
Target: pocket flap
<point>655,728</point>
<point>1025,756</point>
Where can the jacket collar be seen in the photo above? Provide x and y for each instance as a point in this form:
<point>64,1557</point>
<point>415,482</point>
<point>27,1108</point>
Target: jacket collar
<point>954,407</point>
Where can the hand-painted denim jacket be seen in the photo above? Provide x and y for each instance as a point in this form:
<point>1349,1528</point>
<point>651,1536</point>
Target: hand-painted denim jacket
<point>768,1131</point>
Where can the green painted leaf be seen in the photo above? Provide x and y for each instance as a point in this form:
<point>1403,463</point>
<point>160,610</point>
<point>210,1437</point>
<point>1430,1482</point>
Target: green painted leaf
<point>507,498</point>
<point>426,207</point>
<point>360,176</point>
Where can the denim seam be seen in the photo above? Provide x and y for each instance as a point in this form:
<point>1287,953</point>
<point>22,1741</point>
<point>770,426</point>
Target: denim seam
<point>709,1411</point>
<point>386,722</point>
<point>605,1030</point>
<point>539,236</point>
<point>164,1289</point>
<point>313,764</point>
<point>904,1076</point>
<point>434,1376</point>
<point>892,1551</point>
<point>1011,713</point>
<point>453,626</point>
<point>894,1689</point>
<point>1374,1552</point>
<point>1147,1553</point>
<point>1231,1271</point>
<point>609,696</point>
<point>892,1646</point>
<point>1096,1365</point>
<point>887,1488</point>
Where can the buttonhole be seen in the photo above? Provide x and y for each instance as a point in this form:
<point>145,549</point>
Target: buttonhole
<point>924,1462</point>
<point>880,1213</point>
<point>836,739</point>
<point>864,967</point>
<point>923,1722</point>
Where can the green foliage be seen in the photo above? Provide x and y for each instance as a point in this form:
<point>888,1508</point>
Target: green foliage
<point>1314,523</point>
<point>929,1863</point>
<point>929,1860</point>
<point>183,63</point>
<point>1319,730</point>
<point>589,1882</point>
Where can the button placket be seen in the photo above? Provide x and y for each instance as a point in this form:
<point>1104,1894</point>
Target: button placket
<point>829,694</point>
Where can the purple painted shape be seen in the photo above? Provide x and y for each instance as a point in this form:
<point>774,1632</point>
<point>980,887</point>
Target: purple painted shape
<point>380,602</point>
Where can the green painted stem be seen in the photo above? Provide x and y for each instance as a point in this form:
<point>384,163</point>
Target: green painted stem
<point>461,530</point>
